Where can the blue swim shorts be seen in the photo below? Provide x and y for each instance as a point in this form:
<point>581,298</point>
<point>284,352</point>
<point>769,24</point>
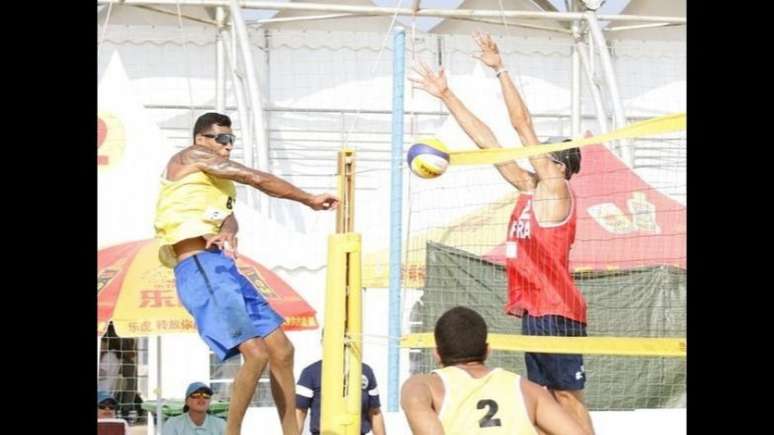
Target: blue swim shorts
<point>227,308</point>
<point>555,371</point>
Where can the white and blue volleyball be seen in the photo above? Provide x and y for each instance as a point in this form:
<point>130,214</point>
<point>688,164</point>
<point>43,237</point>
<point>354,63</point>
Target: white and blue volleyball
<point>428,158</point>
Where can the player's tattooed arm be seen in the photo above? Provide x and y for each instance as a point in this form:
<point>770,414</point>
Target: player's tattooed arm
<point>208,162</point>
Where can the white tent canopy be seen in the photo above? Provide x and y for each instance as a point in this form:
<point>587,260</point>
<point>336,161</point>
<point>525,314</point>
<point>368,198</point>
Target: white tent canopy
<point>167,15</point>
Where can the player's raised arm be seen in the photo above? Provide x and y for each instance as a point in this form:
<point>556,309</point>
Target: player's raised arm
<point>211,163</point>
<point>435,85</point>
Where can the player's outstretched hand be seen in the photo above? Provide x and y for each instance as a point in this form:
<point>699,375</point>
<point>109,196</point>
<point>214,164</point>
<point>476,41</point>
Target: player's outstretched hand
<point>324,201</point>
<point>429,81</point>
<point>489,53</point>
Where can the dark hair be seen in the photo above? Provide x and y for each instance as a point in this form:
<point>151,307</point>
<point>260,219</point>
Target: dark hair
<point>204,122</point>
<point>108,401</point>
<point>571,158</point>
<point>460,336</point>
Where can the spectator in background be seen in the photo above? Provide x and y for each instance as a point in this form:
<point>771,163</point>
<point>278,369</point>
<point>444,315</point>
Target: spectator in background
<point>308,390</point>
<point>109,367</point>
<point>106,405</point>
<point>195,418</point>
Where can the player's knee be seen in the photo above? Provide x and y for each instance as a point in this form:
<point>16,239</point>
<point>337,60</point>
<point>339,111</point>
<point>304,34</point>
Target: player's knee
<point>283,354</point>
<point>254,352</point>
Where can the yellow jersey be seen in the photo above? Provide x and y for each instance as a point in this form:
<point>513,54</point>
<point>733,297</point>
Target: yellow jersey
<point>490,405</point>
<point>195,205</point>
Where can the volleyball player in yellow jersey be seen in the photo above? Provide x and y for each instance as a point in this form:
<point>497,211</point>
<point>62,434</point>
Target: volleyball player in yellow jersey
<point>465,397</point>
<point>194,222</point>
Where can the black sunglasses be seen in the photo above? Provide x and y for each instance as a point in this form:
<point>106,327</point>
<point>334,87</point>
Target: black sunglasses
<point>222,138</point>
<point>109,406</point>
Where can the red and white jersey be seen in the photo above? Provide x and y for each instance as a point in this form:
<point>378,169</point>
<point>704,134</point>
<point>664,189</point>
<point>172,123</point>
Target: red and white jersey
<point>537,263</point>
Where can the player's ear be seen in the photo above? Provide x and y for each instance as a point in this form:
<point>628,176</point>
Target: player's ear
<point>437,357</point>
<point>488,351</point>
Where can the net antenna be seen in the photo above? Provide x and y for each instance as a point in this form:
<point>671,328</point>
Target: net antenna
<point>412,135</point>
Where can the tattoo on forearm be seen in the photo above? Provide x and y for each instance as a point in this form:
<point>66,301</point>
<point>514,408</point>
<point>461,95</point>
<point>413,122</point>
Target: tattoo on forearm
<point>216,165</point>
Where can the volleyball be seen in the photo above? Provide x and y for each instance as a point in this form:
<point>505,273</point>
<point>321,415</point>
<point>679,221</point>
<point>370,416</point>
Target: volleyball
<point>428,158</point>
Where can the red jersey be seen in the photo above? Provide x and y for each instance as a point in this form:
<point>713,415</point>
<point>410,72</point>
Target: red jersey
<point>537,263</point>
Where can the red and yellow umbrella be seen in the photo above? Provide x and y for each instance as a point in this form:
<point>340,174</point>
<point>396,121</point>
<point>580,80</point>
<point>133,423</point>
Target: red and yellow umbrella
<point>138,294</point>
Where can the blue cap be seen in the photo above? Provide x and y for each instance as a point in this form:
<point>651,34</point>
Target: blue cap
<point>195,386</point>
<point>103,396</point>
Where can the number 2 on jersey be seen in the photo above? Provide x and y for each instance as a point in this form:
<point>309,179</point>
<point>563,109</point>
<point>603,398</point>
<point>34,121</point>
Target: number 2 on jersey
<point>487,420</point>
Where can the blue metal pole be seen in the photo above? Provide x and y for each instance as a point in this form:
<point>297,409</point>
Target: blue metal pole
<point>396,202</point>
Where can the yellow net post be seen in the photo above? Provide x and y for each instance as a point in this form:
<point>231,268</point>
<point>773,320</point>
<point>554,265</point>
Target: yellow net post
<point>342,342</point>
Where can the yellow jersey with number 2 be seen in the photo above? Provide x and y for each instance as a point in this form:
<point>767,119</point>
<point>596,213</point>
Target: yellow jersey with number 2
<point>490,405</point>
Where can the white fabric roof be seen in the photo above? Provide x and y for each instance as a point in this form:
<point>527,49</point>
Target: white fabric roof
<point>132,15</point>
